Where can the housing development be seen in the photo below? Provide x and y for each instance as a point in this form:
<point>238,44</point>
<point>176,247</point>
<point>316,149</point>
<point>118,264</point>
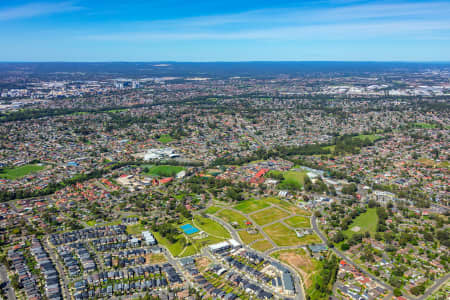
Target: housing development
<point>209,181</point>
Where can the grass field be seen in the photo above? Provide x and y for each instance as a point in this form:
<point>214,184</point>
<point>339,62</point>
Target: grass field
<point>19,172</point>
<point>91,222</point>
<point>288,206</point>
<point>301,261</point>
<point>281,235</point>
<point>268,215</point>
<point>165,138</point>
<point>157,258</point>
<point>135,228</point>
<point>298,221</point>
<point>262,245</point>
<point>211,227</point>
<point>424,125</point>
<point>212,209</point>
<point>174,248</point>
<point>249,206</point>
<point>247,238</point>
<point>291,178</point>
<point>366,222</point>
<point>371,137</point>
<point>164,170</point>
<point>230,216</point>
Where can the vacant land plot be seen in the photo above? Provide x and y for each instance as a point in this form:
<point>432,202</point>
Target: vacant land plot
<point>231,216</point>
<point>293,208</point>
<point>164,170</point>
<point>250,206</point>
<point>247,238</point>
<point>268,215</point>
<point>212,209</point>
<point>298,221</point>
<point>282,235</point>
<point>135,229</point>
<point>366,222</point>
<point>19,172</point>
<point>211,227</point>
<point>262,245</point>
<point>301,261</point>
<point>156,258</point>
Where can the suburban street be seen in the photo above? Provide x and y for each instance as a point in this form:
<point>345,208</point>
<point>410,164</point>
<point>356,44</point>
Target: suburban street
<point>4,278</point>
<point>300,294</point>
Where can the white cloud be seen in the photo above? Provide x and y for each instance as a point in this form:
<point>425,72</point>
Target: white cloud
<point>36,9</point>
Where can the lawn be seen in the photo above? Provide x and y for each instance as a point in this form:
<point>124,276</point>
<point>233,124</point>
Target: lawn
<point>165,138</point>
<point>231,216</point>
<point>212,210</point>
<point>262,245</point>
<point>301,261</point>
<point>19,172</point>
<point>211,227</point>
<point>247,238</point>
<point>249,206</point>
<point>268,215</point>
<point>282,235</point>
<point>164,170</point>
<point>174,248</point>
<point>298,221</point>
<point>366,222</point>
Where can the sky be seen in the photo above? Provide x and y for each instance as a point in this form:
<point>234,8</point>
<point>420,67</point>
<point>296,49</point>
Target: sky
<point>227,30</point>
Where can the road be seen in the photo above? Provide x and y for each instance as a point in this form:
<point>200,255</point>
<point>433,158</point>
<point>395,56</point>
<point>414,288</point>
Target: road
<point>62,276</point>
<point>300,294</point>
<point>438,283</point>
<point>345,258</point>
<point>4,278</point>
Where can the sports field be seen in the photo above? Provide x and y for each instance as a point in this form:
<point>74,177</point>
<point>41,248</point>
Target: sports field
<point>19,172</point>
<point>291,178</point>
<point>364,222</point>
<point>165,138</point>
<point>164,170</point>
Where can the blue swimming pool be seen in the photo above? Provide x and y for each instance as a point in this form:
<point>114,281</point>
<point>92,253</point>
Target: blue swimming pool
<point>189,229</point>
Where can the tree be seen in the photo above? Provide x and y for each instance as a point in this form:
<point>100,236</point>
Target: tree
<point>397,292</point>
<point>372,203</point>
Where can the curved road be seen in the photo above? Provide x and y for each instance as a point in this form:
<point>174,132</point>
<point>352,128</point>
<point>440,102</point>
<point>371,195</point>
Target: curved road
<point>345,258</point>
<point>300,295</point>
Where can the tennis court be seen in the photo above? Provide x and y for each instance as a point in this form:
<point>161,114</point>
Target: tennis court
<point>189,229</point>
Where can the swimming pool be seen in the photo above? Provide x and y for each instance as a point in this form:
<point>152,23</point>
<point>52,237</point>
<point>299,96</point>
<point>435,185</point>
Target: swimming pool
<point>189,229</point>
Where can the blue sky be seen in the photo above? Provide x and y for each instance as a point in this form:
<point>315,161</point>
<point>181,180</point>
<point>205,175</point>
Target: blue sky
<point>174,30</point>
